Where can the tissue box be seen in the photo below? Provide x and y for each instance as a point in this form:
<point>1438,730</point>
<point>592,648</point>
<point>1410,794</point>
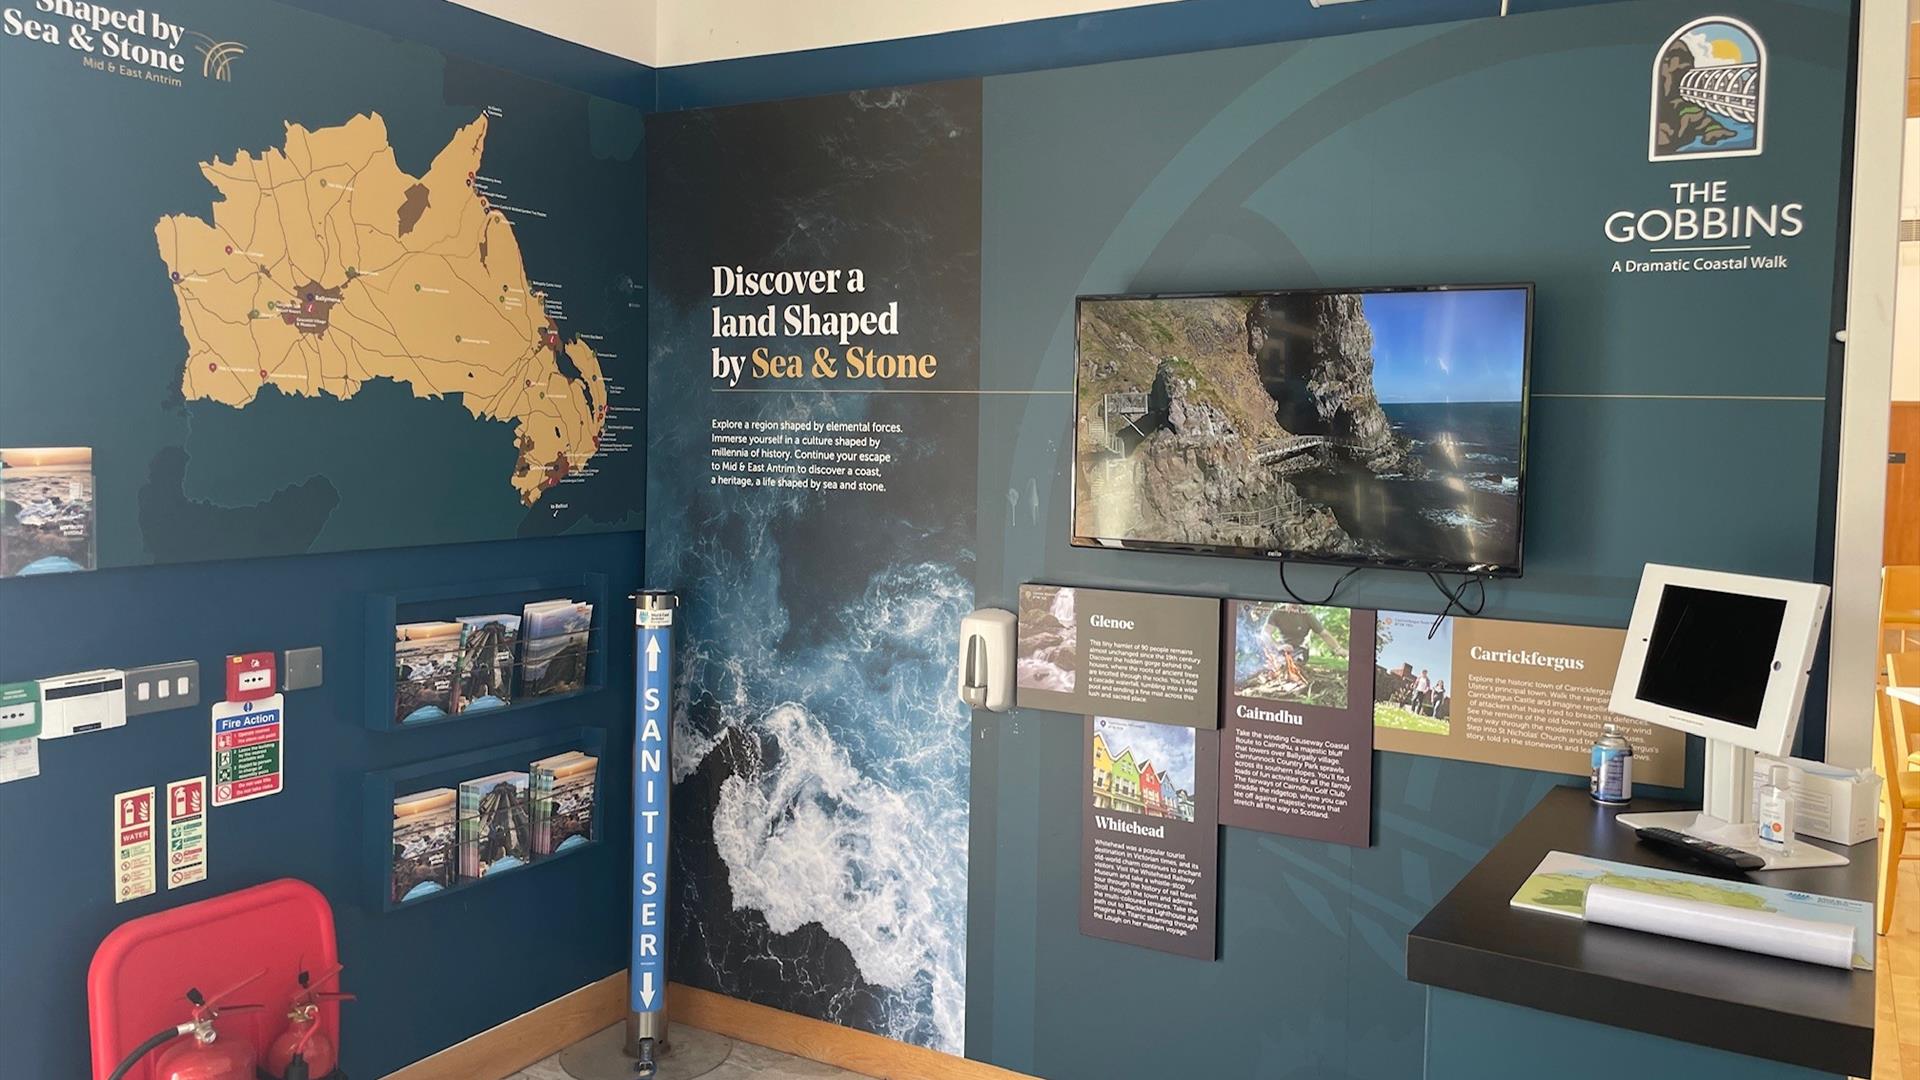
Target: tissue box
<point>1830,803</point>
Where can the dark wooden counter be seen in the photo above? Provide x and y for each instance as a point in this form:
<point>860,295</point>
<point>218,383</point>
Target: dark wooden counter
<point>1475,942</point>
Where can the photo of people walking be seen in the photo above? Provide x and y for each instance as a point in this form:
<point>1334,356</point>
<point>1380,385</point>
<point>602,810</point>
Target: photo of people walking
<point>1413,673</point>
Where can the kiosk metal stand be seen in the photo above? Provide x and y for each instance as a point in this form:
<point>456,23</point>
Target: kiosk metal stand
<point>640,1048</point>
<point>1727,816</point>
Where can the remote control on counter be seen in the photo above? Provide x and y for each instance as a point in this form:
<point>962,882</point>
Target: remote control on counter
<point>1705,852</point>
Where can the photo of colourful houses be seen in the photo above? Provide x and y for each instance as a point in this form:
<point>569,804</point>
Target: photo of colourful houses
<point>1141,768</point>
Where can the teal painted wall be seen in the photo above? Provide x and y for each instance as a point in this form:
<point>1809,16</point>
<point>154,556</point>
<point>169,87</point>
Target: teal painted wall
<point>1310,981</point>
<point>1445,151</point>
<point>1472,1037</point>
<point>426,978</point>
<point>1490,150</point>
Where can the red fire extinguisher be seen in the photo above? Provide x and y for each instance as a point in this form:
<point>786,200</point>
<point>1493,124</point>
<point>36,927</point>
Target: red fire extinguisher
<point>205,1056</point>
<point>303,1051</point>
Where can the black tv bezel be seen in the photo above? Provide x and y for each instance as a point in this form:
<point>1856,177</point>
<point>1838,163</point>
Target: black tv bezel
<point>1362,562</point>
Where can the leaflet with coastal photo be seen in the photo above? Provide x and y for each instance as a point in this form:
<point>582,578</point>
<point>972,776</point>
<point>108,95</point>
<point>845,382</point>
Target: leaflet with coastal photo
<point>426,667</point>
<point>488,646</point>
<point>496,828</point>
<point>46,510</point>
<point>556,618</point>
<point>562,795</point>
<point>570,815</point>
<point>423,843</point>
<point>540,796</point>
<point>555,639</point>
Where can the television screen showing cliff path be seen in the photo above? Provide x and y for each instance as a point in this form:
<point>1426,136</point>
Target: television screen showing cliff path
<point>297,286</point>
<point>1377,427</point>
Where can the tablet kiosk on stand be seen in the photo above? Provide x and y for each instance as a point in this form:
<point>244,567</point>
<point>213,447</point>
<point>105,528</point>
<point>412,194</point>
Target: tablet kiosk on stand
<point>1725,657</point>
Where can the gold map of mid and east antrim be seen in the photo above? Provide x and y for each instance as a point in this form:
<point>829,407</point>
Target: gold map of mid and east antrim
<point>326,266</point>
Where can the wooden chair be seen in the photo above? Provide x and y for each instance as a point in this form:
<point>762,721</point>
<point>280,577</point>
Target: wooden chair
<point>1902,671</point>
<point>1899,794</point>
<point>1899,607</point>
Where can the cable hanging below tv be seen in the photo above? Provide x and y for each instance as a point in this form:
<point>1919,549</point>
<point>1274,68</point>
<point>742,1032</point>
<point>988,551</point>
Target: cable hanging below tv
<point>1370,427</point>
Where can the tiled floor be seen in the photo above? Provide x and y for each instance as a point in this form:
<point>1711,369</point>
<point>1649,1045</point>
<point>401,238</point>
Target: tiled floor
<point>746,1062</point>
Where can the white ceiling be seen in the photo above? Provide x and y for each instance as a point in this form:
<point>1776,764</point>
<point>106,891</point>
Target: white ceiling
<point>694,31</point>
<point>625,28</point>
<point>664,33</point>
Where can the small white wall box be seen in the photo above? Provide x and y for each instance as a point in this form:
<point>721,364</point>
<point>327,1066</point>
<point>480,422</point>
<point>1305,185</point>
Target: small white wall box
<point>1830,803</point>
<point>82,702</point>
<point>986,659</point>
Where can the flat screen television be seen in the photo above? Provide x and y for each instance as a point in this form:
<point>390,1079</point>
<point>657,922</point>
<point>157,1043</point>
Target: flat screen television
<point>1368,427</point>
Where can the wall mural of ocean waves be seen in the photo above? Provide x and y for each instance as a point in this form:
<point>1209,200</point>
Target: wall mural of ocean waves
<point>821,758</point>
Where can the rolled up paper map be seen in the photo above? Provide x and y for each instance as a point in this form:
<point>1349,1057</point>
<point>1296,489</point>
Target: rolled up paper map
<point>1771,933</point>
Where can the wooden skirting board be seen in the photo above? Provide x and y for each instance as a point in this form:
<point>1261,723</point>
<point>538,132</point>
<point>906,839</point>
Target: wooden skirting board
<point>855,1051</point>
<point>504,1050</point>
<point>507,1048</point>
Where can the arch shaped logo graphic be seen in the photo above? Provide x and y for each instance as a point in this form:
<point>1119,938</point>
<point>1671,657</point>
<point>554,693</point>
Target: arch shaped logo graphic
<point>216,57</point>
<point>1709,92</point>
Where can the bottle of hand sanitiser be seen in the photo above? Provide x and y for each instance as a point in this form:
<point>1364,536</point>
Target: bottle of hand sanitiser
<point>1776,811</point>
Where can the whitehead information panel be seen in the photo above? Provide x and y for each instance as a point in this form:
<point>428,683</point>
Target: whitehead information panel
<point>1150,836</point>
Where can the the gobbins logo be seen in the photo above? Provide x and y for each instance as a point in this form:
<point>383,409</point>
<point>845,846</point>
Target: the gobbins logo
<point>1709,92</point>
<point>1709,100</point>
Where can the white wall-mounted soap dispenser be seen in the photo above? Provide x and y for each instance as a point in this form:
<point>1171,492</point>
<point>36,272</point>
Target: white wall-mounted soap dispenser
<point>986,659</point>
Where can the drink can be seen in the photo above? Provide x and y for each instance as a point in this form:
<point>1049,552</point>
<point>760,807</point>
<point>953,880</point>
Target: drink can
<point>1611,778</point>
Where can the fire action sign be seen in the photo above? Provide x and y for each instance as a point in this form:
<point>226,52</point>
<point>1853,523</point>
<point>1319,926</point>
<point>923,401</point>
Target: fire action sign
<point>249,749</point>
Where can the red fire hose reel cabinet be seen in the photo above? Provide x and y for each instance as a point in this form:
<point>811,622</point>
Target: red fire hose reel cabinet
<point>263,937</point>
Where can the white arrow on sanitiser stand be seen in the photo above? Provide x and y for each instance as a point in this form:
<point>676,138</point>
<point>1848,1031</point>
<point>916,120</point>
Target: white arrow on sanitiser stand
<point>646,989</point>
<point>653,654</point>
